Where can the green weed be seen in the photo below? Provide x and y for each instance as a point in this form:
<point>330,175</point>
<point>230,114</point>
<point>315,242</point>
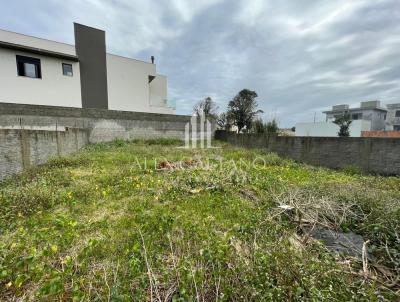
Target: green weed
<point>124,221</point>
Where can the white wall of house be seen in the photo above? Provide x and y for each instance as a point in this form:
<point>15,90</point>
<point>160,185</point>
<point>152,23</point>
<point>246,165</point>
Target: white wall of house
<point>129,88</point>
<point>127,79</point>
<point>158,89</point>
<point>329,129</point>
<point>52,89</point>
<point>158,96</point>
<point>20,39</point>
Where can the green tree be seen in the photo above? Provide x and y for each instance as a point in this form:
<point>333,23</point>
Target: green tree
<point>258,126</point>
<point>272,127</point>
<point>206,107</point>
<point>224,122</point>
<point>242,109</point>
<point>343,122</point>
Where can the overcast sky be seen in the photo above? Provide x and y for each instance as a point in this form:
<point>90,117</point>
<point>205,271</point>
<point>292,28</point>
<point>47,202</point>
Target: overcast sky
<point>300,56</point>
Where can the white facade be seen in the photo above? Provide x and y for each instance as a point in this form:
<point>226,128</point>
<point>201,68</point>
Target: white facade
<point>128,84</point>
<point>368,111</point>
<point>52,89</point>
<point>125,88</point>
<point>329,129</point>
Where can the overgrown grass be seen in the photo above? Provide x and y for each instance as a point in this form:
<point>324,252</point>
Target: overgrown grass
<point>108,224</point>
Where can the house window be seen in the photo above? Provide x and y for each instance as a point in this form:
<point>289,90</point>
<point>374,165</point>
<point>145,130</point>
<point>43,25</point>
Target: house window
<point>28,67</point>
<point>67,69</point>
<point>396,127</point>
<point>356,116</point>
<point>397,113</point>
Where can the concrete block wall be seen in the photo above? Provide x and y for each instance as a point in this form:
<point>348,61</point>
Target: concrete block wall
<point>10,153</point>
<point>373,155</point>
<point>31,134</point>
<point>103,125</point>
<point>21,149</point>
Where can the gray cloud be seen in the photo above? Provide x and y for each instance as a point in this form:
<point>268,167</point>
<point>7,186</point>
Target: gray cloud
<point>300,56</point>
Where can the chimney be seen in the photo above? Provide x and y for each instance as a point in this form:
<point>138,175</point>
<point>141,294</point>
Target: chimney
<point>152,59</point>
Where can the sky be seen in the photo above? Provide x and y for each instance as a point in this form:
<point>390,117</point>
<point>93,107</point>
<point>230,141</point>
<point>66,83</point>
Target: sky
<point>300,56</point>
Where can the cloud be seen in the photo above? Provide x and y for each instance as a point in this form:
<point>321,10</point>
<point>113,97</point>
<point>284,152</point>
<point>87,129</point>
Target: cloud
<point>300,56</point>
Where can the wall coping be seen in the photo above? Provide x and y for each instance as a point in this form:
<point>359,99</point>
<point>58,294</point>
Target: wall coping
<point>57,111</point>
<point>221,134</point>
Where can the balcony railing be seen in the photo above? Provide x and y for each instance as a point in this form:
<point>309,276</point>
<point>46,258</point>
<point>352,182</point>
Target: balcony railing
<point>170,103</point>
<point>163,102</point>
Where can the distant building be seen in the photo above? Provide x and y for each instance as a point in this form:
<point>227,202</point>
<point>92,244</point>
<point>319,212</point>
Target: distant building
<point>370,119</point>
<point>43,72</point>
<point>286,132</point>
<point>329,129</point>
<point>393,117</point>
<point>368,111</point>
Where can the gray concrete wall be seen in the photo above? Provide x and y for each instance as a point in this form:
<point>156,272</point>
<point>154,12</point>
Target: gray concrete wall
<point>21,149</point>
<point>373,155</point>
<point>31,134</point>
<point>103,125</point>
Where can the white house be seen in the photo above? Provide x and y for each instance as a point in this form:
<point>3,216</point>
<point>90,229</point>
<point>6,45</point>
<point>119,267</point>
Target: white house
<point>43,72</point>
<point>329,129</point>
<point>370,116</point>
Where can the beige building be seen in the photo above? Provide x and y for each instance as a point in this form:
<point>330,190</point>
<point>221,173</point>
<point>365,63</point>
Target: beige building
<point>43,72</point>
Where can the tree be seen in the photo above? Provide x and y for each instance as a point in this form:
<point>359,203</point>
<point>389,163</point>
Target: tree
<point>224,122</point>
<point>258,126</point>
<point>242,109</point>
<point>272,127</point>
<point>343,122</point>
<point>208,108</point>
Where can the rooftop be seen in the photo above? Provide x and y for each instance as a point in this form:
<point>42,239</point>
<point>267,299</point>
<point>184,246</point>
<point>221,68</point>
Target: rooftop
<point>367,105</point>
<point>41,46</point>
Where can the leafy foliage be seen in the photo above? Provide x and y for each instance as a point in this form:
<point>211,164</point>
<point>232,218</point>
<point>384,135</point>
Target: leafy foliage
<point>207,108</point>
<point>343,122</point>
<point>224,122</point>
<point>271,128</point>
<point>242,109</point>
<point>258,126</point>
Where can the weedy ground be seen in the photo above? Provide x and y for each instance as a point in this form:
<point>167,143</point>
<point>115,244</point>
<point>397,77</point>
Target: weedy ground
<point>147,221</point>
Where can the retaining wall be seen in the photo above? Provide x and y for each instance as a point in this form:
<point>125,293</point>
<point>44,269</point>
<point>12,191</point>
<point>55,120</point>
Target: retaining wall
<point>103,125</point>
<point>373,155</point>
<point>21,149</point>
<point>31,134</point>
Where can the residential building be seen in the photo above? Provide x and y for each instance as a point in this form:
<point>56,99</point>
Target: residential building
<point>367,120</point>
<point>329,129</point>
<point>368,111</point>
<point>393,117</point>
<point>43,72</point>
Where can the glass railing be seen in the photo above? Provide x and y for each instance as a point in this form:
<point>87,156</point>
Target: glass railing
<point>170,103</point>
<point>157,101</point>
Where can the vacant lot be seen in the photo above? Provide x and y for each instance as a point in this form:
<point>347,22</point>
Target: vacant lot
<point>149,221</point>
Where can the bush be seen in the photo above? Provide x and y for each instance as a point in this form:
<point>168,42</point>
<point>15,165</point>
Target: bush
<point>270,128</point>
<point>259,126</point>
